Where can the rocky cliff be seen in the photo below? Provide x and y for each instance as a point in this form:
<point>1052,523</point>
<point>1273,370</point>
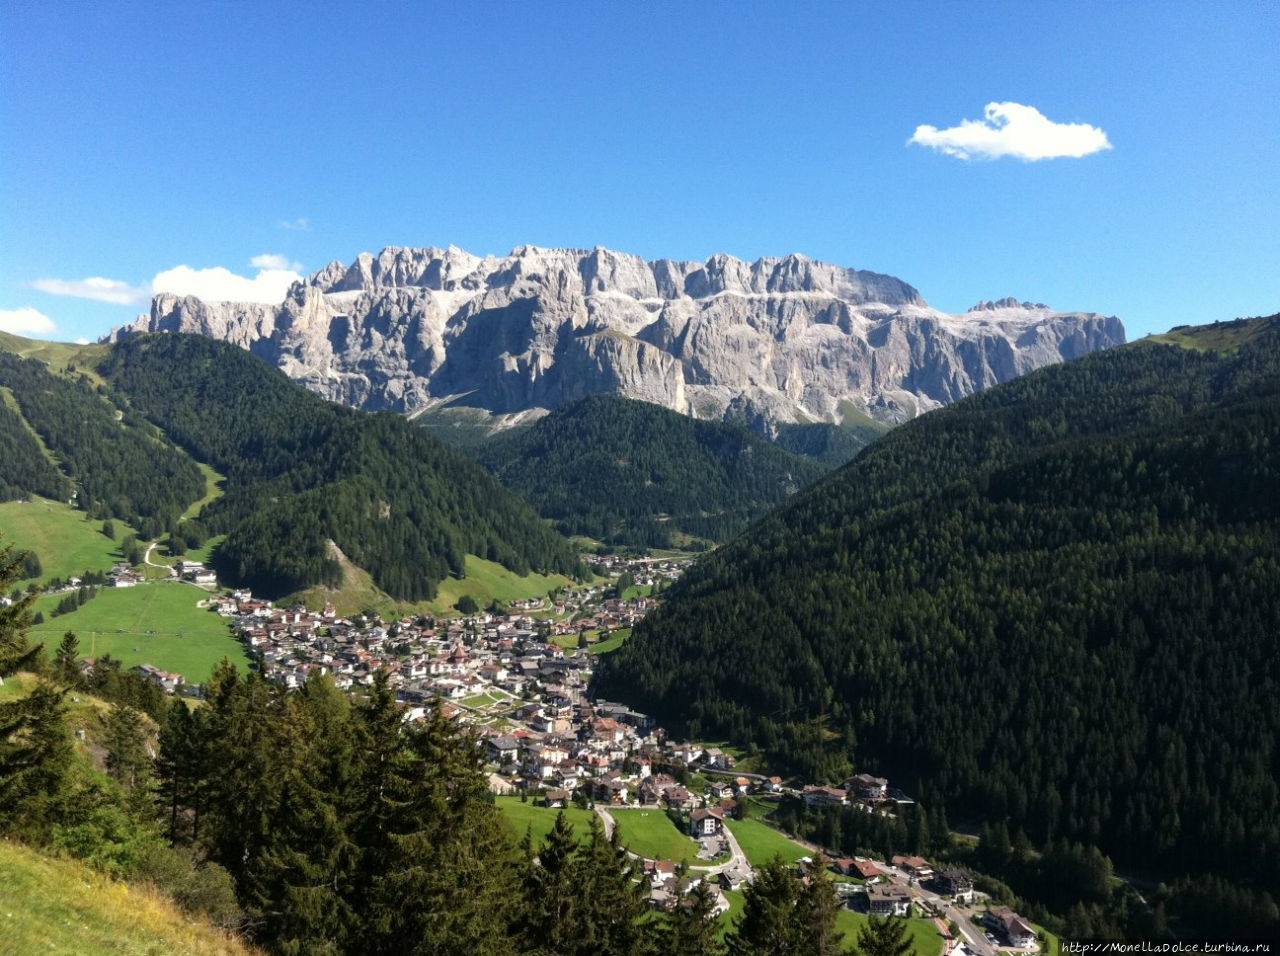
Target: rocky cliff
<point>775,340</point>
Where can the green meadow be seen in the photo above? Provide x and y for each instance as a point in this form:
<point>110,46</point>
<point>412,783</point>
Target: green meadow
<point>154,623</point>
<point>66,542</point>
<point>539,820</point>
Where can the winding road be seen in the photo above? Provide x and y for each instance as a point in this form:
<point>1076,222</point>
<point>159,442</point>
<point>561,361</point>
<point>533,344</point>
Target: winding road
<point>736,857</point>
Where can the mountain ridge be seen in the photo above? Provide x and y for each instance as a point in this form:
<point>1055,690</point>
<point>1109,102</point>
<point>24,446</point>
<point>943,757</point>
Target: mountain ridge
<point>778,340</point>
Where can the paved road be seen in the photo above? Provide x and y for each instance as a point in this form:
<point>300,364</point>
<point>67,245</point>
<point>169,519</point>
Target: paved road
<point>736,856</point>
<point>974,939</point>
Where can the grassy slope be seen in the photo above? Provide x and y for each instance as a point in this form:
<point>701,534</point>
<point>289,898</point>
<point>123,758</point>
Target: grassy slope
<point>530,816</point>
<point>57,355</point>
<point>761,842</point>
<point>66,542</point>
<point>58,906</point>
<point>611,643</point>
<point>154,623</point>
<point>213,483</point>
<point>1218,337</point>
<point>651,834</point>
<point>486,581</point>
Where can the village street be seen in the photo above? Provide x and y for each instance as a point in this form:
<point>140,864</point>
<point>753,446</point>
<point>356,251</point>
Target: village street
<point>974,938</point>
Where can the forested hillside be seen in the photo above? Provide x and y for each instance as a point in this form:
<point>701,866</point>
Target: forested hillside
<point>117,464</point>
<point>302,471</point>
<point>1053,604</point>
<point>832,445</point>
<point>632,472</point>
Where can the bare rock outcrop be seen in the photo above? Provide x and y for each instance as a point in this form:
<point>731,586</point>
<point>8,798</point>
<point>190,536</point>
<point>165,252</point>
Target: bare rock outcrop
<point>775,340</point>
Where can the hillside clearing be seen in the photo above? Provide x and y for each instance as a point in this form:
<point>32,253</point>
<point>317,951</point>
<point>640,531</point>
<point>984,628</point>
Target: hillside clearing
<point>66,541</point>
<point>152,623</point>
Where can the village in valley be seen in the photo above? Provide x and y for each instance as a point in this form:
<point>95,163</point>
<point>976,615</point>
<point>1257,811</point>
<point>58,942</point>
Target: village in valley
<point>519,676</point>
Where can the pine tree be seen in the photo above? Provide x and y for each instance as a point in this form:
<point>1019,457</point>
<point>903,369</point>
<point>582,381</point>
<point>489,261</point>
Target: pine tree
<point>15,653</point>
<point>767,925</point>
<point>613,918</point>
<point>127,759</point>
<point>550,921</point>
<point>817,908</point>
<point>66,658</point>
<point>300,885</point>
<point>35,744</point>
<point>431,843</point>
<point>243,752</point>
<point>884,937</point>
<point>691,927</point>
<point>174,770</point>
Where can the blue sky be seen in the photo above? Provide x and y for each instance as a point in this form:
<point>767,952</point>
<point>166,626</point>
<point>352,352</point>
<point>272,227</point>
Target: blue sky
<point>136,138</point>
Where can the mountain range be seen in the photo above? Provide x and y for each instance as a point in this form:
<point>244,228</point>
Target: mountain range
<point>778,340</point>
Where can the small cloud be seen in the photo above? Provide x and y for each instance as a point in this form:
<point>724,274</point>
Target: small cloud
<point>217,284</point>
<point>26,322</point>
<point>302,224</point>
<point>272,261</point>
<point>96,288</point>
<point>1011,129</point>
<point>82,341</point>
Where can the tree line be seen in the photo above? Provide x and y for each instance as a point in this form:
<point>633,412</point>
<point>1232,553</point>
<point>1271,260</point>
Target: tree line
<point>302,472</point>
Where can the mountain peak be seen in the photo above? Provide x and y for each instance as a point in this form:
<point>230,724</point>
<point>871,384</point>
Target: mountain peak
<point>791,338</point>
<point>1009,302</point>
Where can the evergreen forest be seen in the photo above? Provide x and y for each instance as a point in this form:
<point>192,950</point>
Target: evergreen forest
<point>301,472</point>
<point>628,472</point>
<point>1051,607</point>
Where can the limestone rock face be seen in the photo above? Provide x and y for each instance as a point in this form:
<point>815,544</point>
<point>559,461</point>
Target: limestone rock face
<point>775,340</point>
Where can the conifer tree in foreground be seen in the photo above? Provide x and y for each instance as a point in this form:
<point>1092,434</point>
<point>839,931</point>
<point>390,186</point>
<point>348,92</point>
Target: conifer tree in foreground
<point>884,937</point>
<point>781,915</point>
<point>65,659</point>
<point>691,927</point>
<point>35,745</point>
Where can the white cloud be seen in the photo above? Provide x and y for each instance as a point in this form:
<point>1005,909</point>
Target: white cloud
<point>96,288</point>
<point>82,341</point>
<point>1011,129</point>
<point>301,224</point>
<point>26,322</point>
<point>273,261</point>
<point>222,285</point>
<point>217,284</point>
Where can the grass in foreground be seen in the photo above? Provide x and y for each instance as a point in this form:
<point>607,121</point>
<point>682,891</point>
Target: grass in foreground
<point>65,541</point>
<point>153,623</point>
<point>58,906</point>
